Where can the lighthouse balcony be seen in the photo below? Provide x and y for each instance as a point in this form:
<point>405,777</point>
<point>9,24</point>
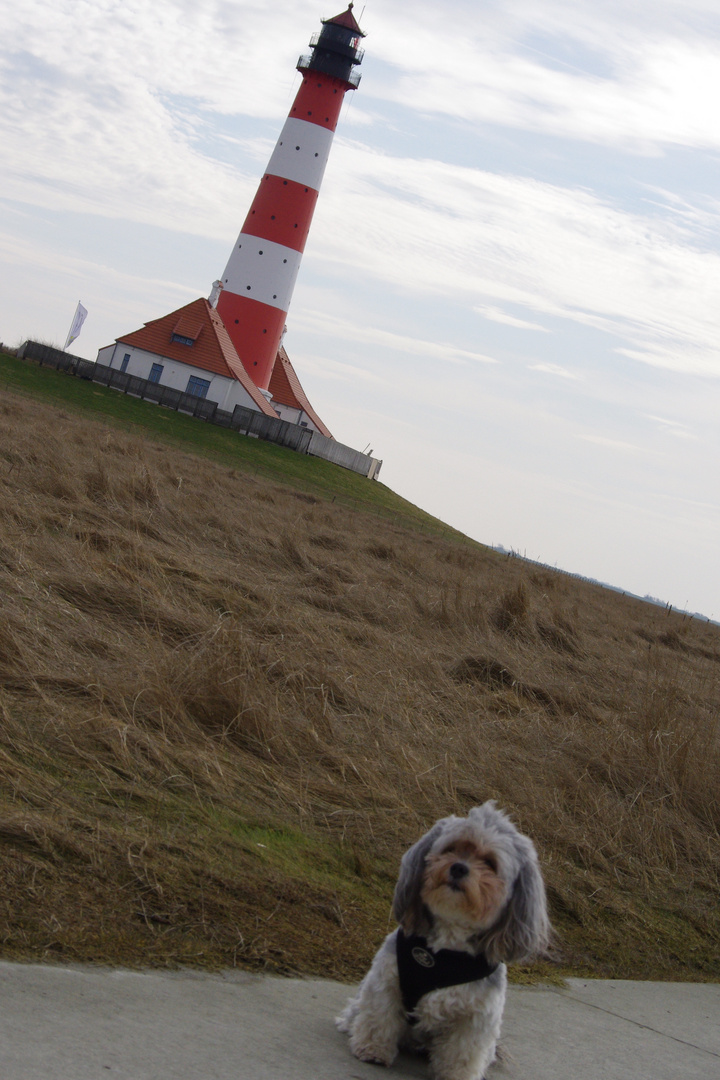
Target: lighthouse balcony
<point>330,65</point>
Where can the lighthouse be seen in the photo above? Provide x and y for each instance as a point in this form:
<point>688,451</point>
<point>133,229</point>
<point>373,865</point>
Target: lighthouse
<point>259,278</point>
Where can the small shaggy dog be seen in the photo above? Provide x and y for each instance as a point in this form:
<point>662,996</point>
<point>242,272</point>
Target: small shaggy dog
<point>469,898</point>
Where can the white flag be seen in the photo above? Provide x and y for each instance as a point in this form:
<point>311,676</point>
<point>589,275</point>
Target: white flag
<point>77,324</point>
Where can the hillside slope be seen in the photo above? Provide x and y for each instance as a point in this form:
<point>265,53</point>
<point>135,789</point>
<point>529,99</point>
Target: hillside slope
<point>228,705</point>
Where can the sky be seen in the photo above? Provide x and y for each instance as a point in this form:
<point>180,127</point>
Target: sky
<point>510,291</point>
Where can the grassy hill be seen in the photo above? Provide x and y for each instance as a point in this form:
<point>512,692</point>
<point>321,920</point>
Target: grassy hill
<point>236,683</point>
<point>262,459</point>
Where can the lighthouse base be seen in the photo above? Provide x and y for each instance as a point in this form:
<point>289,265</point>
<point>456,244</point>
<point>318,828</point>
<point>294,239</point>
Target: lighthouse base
<point>255,330</point>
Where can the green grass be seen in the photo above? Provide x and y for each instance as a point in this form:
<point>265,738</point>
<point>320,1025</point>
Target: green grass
<point>312,475</point>
<point>320,862</point>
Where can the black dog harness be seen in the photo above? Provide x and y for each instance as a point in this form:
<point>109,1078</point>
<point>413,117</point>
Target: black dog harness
<point>422,970</point>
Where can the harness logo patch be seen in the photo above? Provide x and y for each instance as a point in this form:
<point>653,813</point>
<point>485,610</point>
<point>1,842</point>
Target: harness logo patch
<point>423,958</point>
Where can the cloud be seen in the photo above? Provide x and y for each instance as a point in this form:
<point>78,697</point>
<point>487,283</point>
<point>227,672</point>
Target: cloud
<point>444,352</point>
<point>170,47</point>
<point>614,444</point>
<point>553,369</point>
<point>118,301</point>
<point>673,427</point>
<point>625,76</point>
<point>500,316</point>
<point>432,227</point>
<point>109,109</point>
<point>67,148</point>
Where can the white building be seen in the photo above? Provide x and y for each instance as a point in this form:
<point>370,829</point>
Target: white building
<point>190,350</point>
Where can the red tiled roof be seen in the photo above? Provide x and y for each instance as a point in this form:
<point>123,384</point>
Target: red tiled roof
<point>188,326</point>
<point>212,350</point>
<point>346,19</point>
<point>285,388</point>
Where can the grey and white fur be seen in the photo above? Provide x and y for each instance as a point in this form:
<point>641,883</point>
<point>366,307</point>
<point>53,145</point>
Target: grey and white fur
<point>472,885</point>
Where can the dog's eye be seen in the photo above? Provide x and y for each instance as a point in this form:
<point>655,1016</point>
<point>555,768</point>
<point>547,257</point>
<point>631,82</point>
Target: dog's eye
<point>450,849</point>
<point>491,862</point>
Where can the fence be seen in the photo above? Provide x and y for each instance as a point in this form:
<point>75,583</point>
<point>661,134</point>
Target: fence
<point>243,420</point>
<point>119,380</point>
<point>331,450</point>
<point>271,428</point>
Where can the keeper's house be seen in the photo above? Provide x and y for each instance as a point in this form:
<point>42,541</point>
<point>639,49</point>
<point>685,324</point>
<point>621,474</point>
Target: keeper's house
<point>190,350</point>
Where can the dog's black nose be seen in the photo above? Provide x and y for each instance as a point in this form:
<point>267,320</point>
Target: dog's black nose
<point>458,870</point>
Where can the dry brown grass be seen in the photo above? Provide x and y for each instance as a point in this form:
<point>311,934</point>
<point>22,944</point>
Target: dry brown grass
<point>228,707</point>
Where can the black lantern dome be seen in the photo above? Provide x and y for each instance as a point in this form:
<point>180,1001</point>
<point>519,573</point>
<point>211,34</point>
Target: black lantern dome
<point>335,49</point>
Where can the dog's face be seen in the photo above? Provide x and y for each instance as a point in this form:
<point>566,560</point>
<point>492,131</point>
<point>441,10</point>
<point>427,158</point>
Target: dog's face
<point>461,882</point>
<point>480,873</point>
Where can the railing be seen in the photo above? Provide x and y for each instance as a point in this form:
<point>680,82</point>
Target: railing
<point>338,69</point>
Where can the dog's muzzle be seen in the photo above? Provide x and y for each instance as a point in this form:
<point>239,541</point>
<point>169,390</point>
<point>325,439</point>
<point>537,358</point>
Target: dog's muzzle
<point>458,871</point>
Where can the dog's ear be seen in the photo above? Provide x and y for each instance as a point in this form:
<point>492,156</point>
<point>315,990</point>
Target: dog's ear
<point>523,929</point>
<point>407,904</point>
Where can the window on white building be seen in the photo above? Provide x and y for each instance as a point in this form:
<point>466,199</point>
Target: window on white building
<point>197,387</point>
<point>155,372</point>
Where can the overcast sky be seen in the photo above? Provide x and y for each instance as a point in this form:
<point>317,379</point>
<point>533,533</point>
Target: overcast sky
<point>510,288</point>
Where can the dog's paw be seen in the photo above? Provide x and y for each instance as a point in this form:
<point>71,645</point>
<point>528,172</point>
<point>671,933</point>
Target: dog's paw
<point>373,1057</point>
<point>373,1048</point>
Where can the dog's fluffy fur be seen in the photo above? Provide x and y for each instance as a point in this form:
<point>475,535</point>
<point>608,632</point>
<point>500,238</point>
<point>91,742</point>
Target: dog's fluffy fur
<point>474,885</point>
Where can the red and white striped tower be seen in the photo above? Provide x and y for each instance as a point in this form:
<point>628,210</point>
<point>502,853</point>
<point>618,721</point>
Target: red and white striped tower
<point>258,281</point>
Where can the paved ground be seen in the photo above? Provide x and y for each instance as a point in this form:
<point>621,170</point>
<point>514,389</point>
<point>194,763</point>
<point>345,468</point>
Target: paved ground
<point>60,1023</point>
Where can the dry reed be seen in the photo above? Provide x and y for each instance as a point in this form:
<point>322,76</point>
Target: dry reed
<point>226,710</point>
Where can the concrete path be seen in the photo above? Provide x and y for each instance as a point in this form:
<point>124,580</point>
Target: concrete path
<point>81,1023</point>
